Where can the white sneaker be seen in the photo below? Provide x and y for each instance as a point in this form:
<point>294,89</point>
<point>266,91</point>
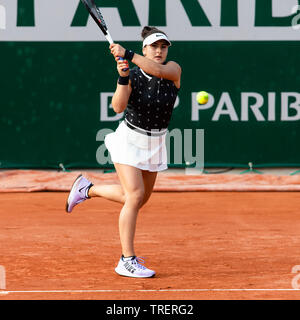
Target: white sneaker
<point>132,267</point>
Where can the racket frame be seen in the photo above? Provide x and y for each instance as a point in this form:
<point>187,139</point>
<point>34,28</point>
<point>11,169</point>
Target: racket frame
<point>96,14</point>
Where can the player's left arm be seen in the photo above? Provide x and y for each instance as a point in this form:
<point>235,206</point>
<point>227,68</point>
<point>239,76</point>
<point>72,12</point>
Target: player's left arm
<point>170,71</point>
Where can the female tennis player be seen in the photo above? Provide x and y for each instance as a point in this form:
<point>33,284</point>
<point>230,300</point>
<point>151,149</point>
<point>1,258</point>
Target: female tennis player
<point>147,94</point>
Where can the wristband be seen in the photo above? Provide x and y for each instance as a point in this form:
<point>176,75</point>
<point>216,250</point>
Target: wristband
<point>128,55</point>
<point>124,81</point>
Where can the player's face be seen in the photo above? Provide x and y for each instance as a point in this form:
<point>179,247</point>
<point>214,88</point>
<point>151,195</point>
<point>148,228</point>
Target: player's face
<point>157,51</point>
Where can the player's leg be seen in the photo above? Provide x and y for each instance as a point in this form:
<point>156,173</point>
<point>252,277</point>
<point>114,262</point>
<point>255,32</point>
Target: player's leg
<point>116,192</point>
<point>110,192</point>
<point>132,183</point>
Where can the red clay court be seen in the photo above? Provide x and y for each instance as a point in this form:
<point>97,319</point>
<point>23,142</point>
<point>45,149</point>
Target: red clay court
<point>202,244</point>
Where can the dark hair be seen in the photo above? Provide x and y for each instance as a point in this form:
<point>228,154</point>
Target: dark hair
<point>147,31</point>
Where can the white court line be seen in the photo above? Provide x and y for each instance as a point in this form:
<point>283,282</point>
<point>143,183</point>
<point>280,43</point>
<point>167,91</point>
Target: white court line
<point>2,278</point>
<point>142,290</point>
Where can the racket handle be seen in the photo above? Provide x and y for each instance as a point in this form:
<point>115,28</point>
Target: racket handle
<point>122,59</point>
<point>110,40</point>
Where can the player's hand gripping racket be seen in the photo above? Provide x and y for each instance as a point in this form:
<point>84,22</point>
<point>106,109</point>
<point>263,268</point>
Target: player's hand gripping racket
<point>97,16</point>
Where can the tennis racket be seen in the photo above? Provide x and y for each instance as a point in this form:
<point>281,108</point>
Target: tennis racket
<point>95,12</point>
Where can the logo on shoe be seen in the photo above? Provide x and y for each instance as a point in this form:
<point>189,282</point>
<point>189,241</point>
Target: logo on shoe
<point>129,267</point>
<point>81,189</point>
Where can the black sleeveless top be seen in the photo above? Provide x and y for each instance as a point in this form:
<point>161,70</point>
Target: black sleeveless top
<point>151,102</point>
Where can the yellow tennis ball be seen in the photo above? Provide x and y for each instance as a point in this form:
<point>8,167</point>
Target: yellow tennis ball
<point>202,97</point>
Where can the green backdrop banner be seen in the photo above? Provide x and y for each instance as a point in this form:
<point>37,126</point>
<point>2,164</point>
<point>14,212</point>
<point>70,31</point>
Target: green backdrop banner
<point>55,98</point>
<point>57,78</point>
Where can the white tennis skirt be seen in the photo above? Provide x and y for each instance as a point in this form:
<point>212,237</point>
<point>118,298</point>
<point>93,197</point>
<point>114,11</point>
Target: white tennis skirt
<point>128,146</point>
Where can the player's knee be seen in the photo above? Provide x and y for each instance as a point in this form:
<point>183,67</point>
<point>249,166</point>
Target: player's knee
<point>135,198</point>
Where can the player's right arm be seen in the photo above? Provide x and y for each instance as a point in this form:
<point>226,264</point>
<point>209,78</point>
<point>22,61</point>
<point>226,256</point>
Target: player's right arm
<point>122,93</point>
